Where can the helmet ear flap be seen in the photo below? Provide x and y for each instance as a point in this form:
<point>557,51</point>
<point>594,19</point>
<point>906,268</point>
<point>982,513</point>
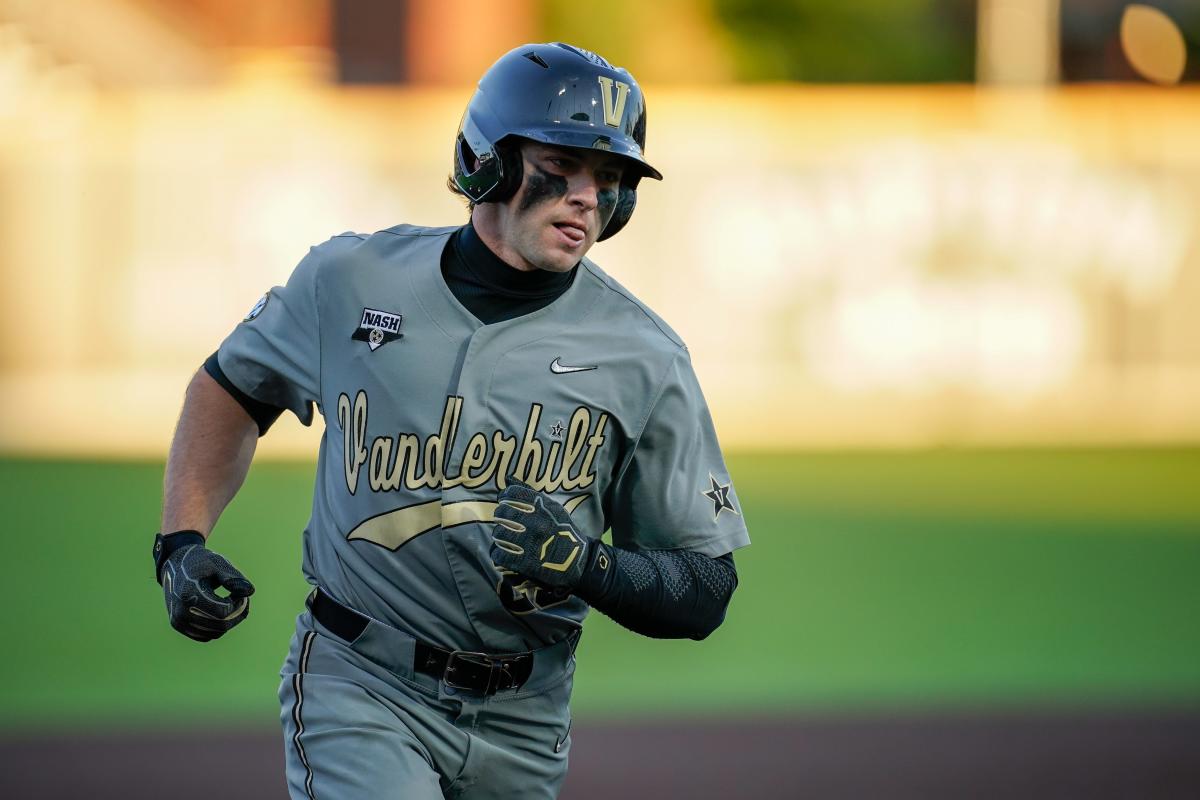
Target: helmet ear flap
<point>476,172</point>
<point>512,172</point>
<point>626,201</point>
<point>498,175</point>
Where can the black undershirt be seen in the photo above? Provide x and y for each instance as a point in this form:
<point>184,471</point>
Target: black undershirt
<point>666,594</point>
<point>491,289</point>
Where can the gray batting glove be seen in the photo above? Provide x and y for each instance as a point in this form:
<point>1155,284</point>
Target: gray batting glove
<point>190,574</point>
<point>535,537</point>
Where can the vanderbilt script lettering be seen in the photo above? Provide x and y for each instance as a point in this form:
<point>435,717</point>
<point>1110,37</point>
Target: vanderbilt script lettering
<point>410,461</point>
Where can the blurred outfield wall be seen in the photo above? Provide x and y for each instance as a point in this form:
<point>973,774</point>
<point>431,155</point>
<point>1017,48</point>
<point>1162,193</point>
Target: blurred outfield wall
<point>851,266</point>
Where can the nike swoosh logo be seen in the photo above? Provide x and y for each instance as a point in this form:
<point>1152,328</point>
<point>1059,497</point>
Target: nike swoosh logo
<point>558,368</point>
<point>558,745</point>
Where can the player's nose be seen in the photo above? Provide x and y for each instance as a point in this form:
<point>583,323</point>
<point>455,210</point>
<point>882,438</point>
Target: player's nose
<point>583,190</point>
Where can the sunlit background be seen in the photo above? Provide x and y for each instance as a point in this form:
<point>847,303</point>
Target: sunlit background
<point>1007,260</point>
<point>937,263</point>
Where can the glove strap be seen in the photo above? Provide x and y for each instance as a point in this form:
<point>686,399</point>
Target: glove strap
<point>597,579</point>
<point>167,543</point>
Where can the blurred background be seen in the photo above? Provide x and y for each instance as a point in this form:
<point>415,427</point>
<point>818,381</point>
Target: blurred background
<point>938,266</point>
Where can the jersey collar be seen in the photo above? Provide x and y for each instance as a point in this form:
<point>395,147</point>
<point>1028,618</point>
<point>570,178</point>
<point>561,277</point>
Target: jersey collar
<point>457,322</point>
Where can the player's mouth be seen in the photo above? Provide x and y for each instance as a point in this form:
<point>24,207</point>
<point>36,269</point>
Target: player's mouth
<point>572,234</point>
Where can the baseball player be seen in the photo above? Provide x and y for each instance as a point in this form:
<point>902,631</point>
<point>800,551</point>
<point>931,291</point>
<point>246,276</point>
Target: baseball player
<point>493,403</point>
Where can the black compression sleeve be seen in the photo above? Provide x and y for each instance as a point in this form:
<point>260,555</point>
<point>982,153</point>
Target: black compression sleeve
<point>263,414</point>
<point>666,594</point>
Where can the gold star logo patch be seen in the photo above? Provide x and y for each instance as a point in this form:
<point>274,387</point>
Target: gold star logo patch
<point>719,495</point>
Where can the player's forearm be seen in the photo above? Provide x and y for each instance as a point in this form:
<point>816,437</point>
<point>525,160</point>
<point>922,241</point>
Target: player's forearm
<point>665,594</point>
<point>210,456</point>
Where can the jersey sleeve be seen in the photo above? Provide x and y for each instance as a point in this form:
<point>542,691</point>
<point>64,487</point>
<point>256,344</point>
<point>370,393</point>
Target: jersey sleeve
<point>675,491</point>
<point>274,354</point>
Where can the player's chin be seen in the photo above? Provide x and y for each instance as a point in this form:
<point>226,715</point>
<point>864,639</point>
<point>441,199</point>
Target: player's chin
<point>561,252</point>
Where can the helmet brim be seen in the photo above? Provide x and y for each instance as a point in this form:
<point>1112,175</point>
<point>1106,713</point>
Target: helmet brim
<point>599,141</point>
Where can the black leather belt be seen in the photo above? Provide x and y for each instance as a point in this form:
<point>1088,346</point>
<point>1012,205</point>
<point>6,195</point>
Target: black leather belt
<point>462,669</point>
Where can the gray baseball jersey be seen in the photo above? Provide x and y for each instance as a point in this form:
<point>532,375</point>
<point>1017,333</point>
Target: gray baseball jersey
<point>428,412</point>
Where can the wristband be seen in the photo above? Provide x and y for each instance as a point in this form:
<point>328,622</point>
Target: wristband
<point>165,544</point>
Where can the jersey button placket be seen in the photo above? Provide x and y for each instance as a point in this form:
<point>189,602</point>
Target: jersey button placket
<point>471,404</point>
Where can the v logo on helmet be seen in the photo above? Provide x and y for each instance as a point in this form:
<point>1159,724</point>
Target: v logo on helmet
<point>614,108</point>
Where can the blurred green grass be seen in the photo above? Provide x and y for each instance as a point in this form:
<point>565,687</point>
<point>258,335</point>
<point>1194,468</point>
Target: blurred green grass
<point>876,579</point>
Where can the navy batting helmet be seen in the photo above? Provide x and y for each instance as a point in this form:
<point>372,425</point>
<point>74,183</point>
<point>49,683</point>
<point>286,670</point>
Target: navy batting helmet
<point>555,94</point>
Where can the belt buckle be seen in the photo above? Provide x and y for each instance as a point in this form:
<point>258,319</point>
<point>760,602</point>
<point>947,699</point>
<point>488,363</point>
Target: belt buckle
<point>473,658</point>
<point>497,669</point>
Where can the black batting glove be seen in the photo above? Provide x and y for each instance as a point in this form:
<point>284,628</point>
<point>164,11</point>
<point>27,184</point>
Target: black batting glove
<point>190,574</point>
<point>535,537</point>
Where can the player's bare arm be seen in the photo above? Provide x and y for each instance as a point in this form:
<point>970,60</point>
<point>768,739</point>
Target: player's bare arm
<point>210,455</point>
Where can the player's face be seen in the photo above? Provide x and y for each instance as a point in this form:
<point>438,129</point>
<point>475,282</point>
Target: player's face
<point>567,197</point>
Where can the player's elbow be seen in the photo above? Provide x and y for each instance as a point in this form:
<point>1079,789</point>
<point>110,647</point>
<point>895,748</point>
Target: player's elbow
<point>709,622</point>
<point>718,605</point>
<point>702,633</point>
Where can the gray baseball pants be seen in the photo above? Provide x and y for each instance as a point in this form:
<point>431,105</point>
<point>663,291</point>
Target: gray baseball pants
<point>358,722</point>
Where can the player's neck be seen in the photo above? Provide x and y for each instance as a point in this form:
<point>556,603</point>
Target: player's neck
<point>485,220</point>
<point>476,263</point>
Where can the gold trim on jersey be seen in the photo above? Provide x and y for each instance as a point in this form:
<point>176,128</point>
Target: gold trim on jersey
<point>395,528</point>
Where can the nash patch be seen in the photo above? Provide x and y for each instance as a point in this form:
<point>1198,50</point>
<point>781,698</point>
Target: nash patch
<point>377,328</point>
